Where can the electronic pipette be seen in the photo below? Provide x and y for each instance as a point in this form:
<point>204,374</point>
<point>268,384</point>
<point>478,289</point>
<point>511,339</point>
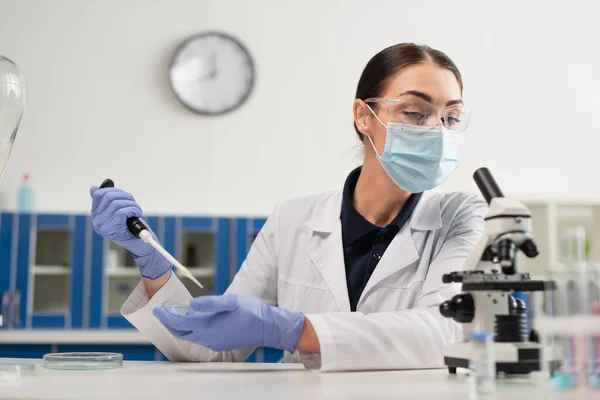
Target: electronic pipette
<point>140,230</point>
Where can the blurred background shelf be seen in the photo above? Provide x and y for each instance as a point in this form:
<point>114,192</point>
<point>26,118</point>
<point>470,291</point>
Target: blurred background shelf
<point>51,270</point>
<point>201,272</point>
<point>551,221</point>
<point>68,279</point>
<point>123,271</point>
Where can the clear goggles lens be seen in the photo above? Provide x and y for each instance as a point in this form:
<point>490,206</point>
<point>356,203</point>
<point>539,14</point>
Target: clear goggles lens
<point>416,112</point>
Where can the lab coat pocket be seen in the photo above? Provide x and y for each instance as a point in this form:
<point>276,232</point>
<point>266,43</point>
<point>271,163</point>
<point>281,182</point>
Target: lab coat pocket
<point>303,298</point>
<point>408,276</point>
<point>393,299</point>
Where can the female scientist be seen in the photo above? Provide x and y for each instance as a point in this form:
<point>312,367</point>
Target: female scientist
<point>350,279</point>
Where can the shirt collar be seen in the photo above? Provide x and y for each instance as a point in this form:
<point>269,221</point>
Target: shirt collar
<point>427,215</point>
<point>354,225</point>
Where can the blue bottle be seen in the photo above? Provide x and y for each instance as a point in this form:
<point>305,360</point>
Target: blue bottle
<point>25,201</point>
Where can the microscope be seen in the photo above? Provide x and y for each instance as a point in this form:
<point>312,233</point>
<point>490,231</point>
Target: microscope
<point>489,279</point>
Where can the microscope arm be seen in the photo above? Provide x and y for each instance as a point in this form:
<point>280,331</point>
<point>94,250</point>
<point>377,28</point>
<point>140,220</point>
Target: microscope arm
<point>474,262</point>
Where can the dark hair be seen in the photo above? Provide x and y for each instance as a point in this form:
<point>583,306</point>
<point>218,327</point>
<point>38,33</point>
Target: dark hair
<point>388,62</point>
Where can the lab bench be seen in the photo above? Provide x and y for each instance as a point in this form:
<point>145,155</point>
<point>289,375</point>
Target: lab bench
<point>159,380</point>
<point>61,280</point>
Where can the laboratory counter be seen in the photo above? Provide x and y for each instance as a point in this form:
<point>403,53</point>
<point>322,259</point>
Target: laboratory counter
<point>164,380</point>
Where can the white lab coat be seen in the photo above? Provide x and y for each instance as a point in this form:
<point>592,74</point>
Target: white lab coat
<point>297,262</point>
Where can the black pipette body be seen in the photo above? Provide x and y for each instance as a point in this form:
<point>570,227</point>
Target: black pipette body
<point>134,224</point>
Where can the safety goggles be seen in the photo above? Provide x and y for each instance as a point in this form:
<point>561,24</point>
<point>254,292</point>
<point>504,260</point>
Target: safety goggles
<point>417,112</point>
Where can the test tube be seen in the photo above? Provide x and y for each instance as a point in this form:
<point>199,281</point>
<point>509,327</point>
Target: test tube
<point>482,365</point>
<point>576,304</point>
<point>575,299</point>
<point>593,292</point>
<point>573,245</point>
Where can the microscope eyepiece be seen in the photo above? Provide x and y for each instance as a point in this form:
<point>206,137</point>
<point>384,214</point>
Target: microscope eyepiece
<point>486,184</point>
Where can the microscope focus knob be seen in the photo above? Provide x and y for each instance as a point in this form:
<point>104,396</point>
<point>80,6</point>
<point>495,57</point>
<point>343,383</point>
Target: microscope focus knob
<point>516,306</point>
<point>521,307</point>
<point>529,248</point>
<point>460,308</point>
<point>453,277</point>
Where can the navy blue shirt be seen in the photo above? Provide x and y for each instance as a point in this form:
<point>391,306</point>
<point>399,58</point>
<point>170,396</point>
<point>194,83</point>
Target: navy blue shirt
<point>364,243</point>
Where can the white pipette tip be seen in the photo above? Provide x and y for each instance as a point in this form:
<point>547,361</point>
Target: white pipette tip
<point>147,237</point>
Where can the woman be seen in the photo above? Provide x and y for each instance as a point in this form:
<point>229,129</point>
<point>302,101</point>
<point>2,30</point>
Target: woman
<point>352,279</point>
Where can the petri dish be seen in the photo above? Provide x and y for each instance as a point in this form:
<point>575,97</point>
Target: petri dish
<point>24,368</point>
<point>83,361</point>
<point>178,308</point>
<point>9,372</point>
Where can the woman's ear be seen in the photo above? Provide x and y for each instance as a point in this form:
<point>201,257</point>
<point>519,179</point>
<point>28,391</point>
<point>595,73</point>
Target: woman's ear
<point>362,117</point>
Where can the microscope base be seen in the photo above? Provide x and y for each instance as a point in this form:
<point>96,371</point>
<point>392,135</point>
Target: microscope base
<point>511,358</point>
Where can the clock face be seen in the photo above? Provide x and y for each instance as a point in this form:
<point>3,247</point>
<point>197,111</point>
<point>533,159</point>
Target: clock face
<point>212,73</point>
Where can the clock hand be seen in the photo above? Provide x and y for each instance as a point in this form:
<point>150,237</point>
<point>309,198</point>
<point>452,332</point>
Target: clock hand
<point>212,69</point>
<point>213,66</point>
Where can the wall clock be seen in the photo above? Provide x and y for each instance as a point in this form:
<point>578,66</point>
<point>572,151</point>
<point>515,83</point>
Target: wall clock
<point>212,73</point>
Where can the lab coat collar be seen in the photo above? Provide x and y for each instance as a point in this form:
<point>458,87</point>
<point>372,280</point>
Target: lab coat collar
<point>325,218</point>
<point>427,215</point>
<point>402,251</point>
<point>326,249</point>
<point>327,252</point>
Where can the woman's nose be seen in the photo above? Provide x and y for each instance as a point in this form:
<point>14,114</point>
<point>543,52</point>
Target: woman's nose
<point>436,120</point>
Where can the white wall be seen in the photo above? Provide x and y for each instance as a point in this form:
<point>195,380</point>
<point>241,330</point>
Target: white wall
<point>99,97</point>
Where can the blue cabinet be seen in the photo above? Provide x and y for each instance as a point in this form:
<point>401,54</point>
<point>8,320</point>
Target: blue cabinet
<point>42,270</point>
<point>56,272</point>
<point>131,352</point>
<point>113,276</point>
<point>202,245</point>
<point>8,268</point>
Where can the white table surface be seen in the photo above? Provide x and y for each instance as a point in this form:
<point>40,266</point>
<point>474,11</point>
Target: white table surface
<point>169,381</point>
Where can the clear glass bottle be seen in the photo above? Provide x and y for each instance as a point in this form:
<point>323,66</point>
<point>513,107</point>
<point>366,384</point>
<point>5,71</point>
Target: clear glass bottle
<point>482,366</point>
<point>25,198</point>
<point>13,95</point>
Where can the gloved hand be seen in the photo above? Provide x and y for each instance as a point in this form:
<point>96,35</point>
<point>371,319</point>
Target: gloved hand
<point>234,321</point>
<point>110,209</point>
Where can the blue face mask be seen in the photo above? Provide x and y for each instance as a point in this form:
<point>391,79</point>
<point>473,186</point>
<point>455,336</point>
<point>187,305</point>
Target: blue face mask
<point>418,158</point>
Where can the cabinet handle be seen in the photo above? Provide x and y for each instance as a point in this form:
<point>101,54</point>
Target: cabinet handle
<point>16,308</point>
<point>5,300</point>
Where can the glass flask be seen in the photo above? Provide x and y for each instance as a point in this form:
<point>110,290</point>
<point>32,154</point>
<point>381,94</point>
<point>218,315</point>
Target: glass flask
<point>13,96</point>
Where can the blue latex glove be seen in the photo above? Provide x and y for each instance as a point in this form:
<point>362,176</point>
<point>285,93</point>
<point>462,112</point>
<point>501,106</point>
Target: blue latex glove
<point>235,321</point>
<point>110,209</point>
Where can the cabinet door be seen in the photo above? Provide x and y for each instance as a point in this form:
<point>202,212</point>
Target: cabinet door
<point>50,266</point>
<point>202,245</point>
<point>8,267</point>
<point>25,350</point>
<point>114,275</point>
